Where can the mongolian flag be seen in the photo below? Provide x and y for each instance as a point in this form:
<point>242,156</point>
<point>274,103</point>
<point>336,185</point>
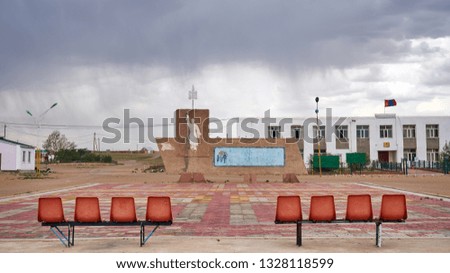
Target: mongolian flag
<point>388,103</point>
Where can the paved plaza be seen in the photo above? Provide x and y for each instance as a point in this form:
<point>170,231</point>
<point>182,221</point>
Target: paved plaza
<point>227,210</point>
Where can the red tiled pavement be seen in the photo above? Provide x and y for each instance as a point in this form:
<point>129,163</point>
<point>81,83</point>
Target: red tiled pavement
<point>229,210</point>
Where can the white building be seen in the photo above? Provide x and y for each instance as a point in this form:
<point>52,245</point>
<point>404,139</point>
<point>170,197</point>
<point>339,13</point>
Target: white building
<point>384,137</point>
<point>15,156</point>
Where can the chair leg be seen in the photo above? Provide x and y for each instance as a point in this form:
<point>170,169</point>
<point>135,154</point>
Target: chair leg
<point>145,238</point>
<point>141,236</point>
<point>299,233</point>
<point>378,234</point>
<point>69,235</point>
<point>73,236</point>
<point>62,238</point>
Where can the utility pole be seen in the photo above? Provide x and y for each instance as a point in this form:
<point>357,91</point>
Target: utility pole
<point>318,135</point>
<point>94,143</point>
<point>4,131</point>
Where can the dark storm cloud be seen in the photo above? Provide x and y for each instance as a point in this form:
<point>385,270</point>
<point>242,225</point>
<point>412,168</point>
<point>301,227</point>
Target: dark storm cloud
<point>39,38</point>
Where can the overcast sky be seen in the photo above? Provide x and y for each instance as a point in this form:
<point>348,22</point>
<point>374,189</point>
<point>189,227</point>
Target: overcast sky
<point>96,58</point>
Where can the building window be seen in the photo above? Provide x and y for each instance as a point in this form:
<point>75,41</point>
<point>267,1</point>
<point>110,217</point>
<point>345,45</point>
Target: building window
<point>362,131</point>
<point>274,131</point>
<point>23,156</point>
<point>409,154</point>
<point>409,131</point>
<point>385,131</point>
<point>29,157</point>
<point>297,131</point>
<point>322,151</point>
<point>321,132</point>
<point>342,132</point>
<point>432,131</point>
<point>432,155</point>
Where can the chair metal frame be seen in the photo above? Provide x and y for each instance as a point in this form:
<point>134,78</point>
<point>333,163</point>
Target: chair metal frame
<point>378,222</point>
<point>68,239</point>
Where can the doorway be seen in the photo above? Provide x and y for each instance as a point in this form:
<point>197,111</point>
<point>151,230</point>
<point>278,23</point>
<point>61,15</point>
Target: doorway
<point>383,156</point>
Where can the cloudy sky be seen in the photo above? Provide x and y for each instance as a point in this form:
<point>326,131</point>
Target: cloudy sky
<point>96,58</point>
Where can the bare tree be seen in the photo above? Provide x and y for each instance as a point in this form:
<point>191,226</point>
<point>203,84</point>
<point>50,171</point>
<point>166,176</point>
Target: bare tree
<point>56,141</point>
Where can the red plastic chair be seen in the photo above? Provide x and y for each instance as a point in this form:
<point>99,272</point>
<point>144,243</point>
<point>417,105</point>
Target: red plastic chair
<point>393,208</point>
<point>50,210</point>
<point>359,208</point>
<point>322,209</point>
<point>159,209</point>
<point>289,209</point>
<point>87,210</point>
<point>123,210</point>
<point>51,213</point>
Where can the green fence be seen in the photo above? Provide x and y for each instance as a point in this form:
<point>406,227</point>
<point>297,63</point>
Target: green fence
<point>327,161</point>
<point>356,161</point>
<point>437,166</point>
<point>388,166</point>
<point>359,160</point>
<point>446,165</point>
<point>406,166</point>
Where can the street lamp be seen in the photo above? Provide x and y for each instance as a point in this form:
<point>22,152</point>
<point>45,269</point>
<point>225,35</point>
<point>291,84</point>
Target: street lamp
<point>318,133</point>
<point>37,122</point>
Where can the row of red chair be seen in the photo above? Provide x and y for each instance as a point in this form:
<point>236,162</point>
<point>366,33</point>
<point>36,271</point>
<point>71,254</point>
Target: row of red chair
<point>359,209</point>
<point>159,212</point>
<point>87,213</point>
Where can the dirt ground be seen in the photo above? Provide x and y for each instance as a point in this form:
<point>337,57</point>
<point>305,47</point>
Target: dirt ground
<point>69,175</point>
<point>181,244</point>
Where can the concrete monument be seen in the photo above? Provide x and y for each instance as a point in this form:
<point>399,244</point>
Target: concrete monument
<point>193,151</point>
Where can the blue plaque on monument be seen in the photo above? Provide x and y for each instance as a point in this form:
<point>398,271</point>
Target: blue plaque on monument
<point>249,156</point>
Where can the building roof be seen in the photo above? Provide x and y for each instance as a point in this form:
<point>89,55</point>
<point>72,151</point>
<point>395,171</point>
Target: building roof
<point>22,145</point>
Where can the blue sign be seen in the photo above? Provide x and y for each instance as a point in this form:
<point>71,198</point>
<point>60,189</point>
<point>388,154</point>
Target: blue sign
<point>249,157</point>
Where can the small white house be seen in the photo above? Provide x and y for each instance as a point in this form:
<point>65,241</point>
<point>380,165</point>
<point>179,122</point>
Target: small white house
<point>16,156</point>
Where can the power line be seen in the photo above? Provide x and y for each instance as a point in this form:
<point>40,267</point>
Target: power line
<point>85,126</point>
<point>76,126</point>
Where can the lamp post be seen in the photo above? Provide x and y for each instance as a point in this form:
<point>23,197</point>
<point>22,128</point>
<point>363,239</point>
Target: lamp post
<point>318,134</point>
<point>37,122</point>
